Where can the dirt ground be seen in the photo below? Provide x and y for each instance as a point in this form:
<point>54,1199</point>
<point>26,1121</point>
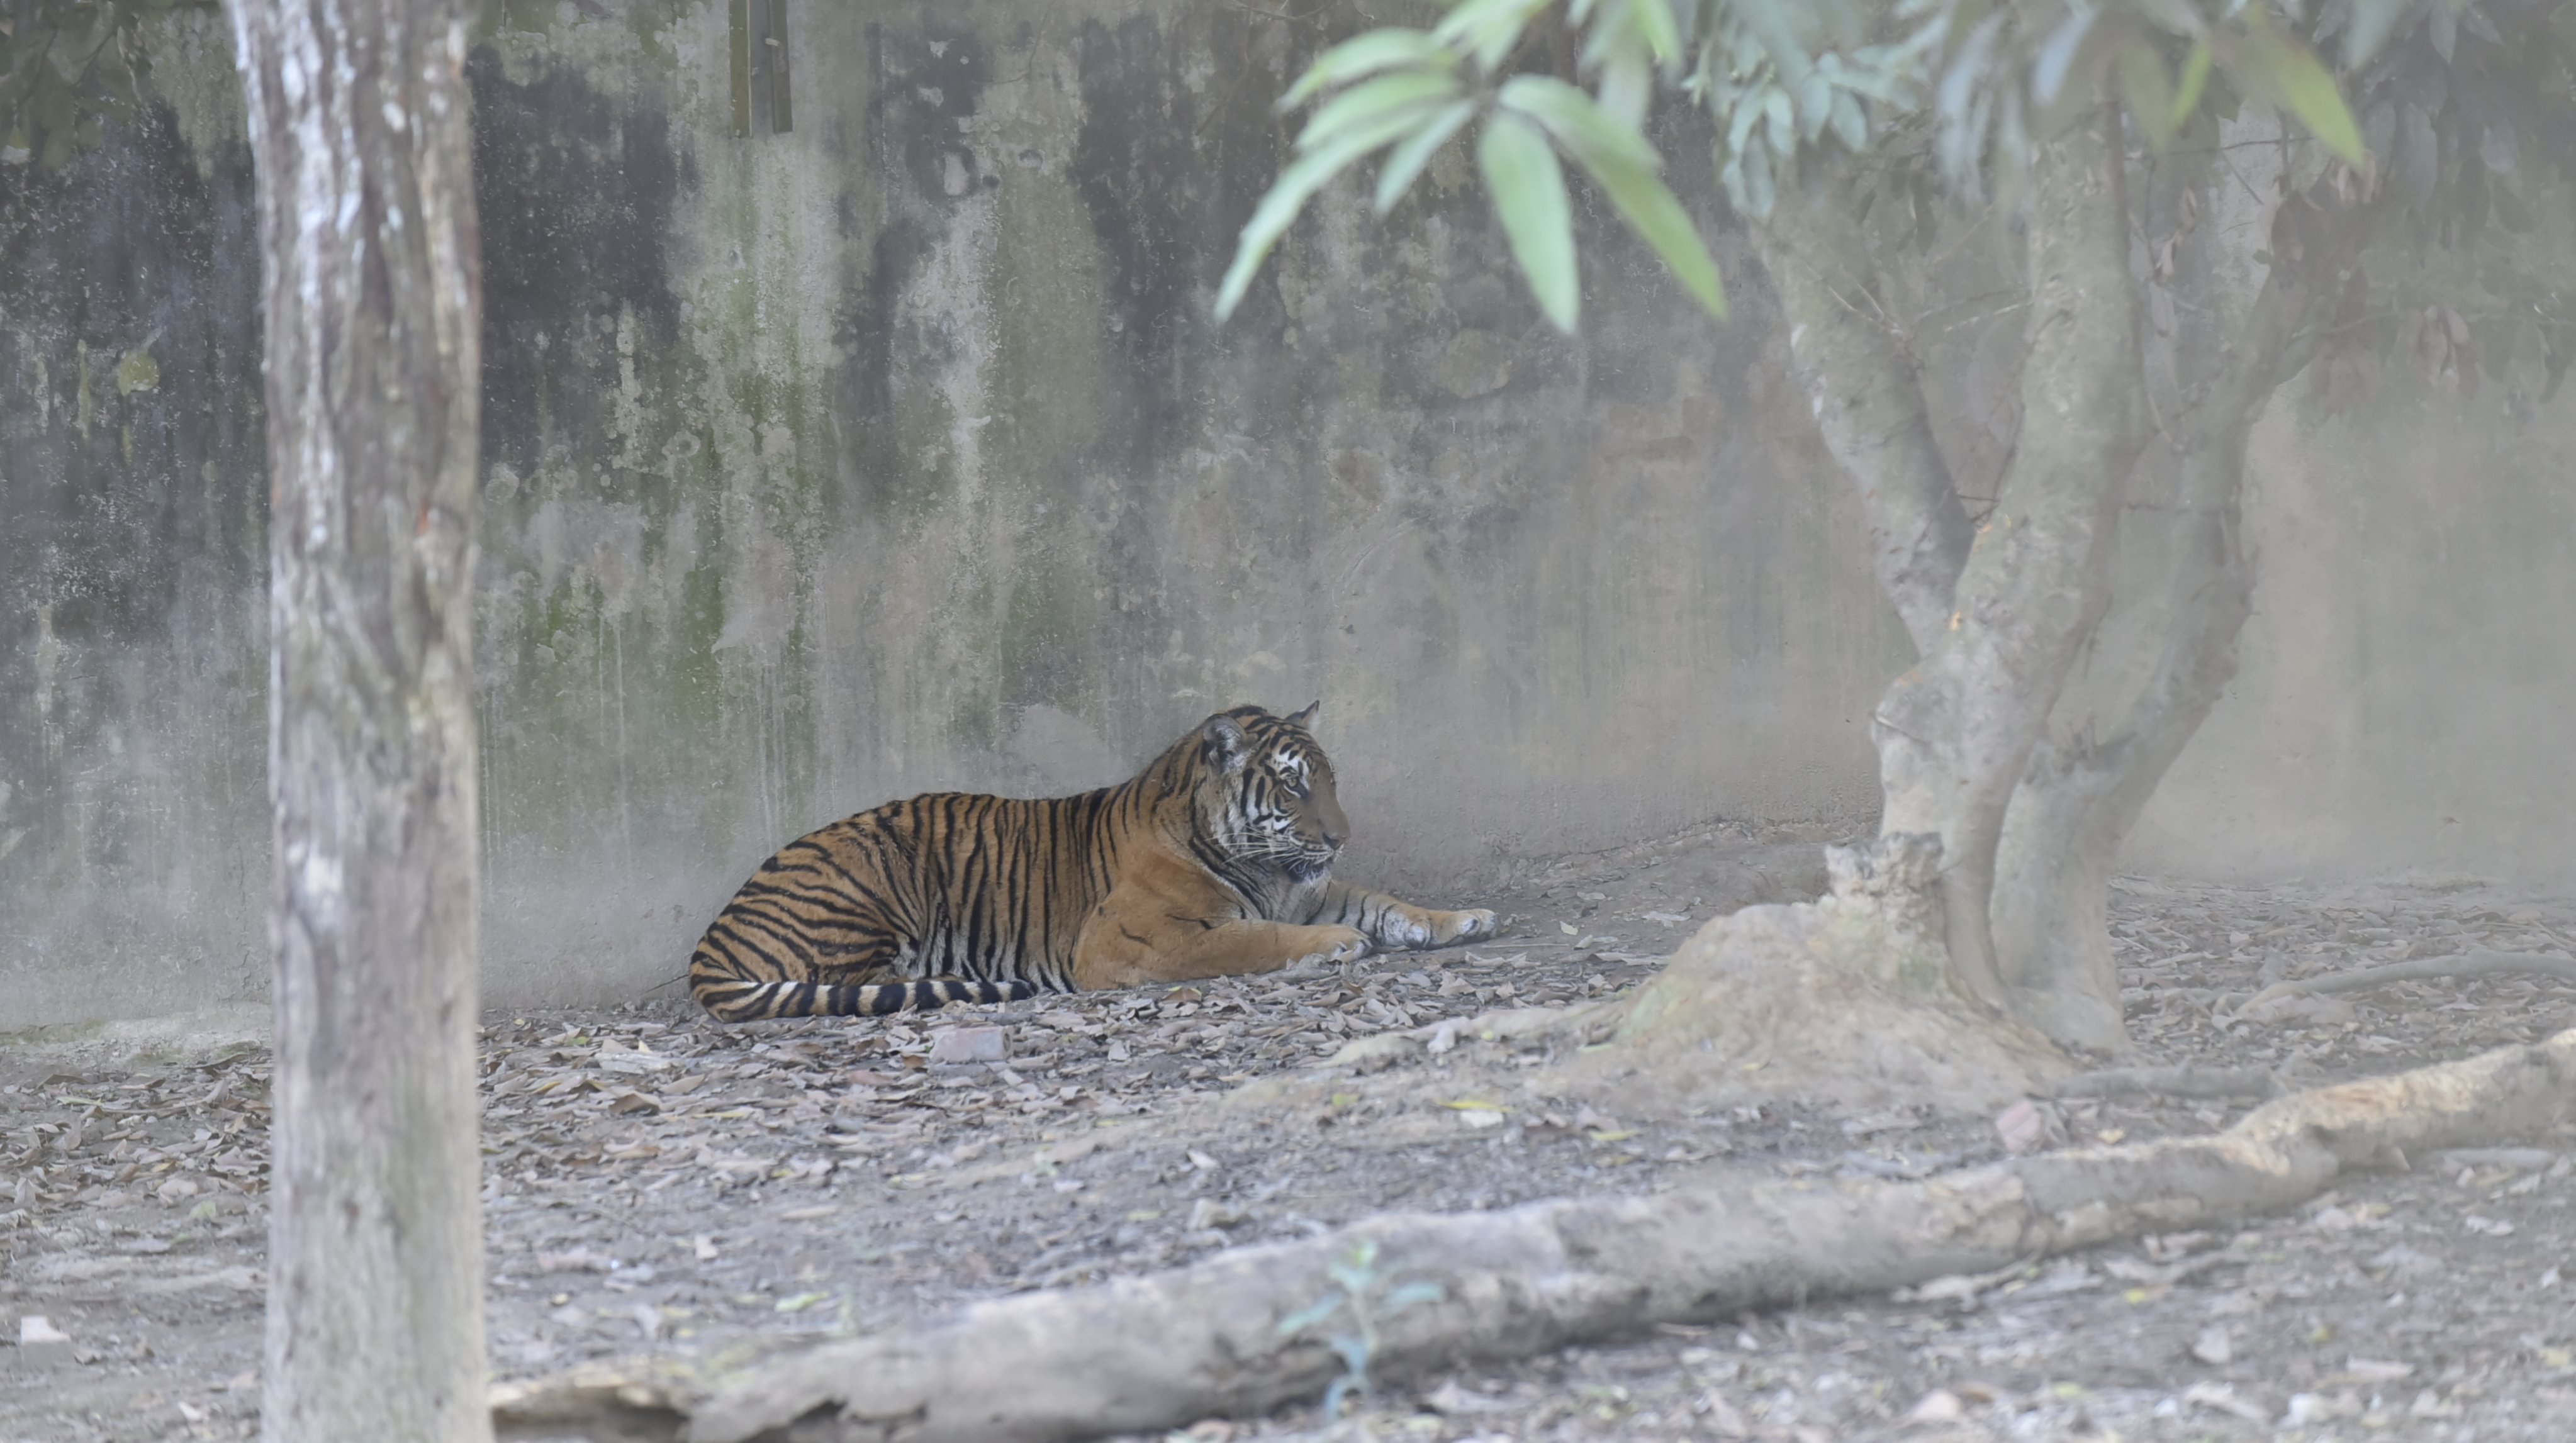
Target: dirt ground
<point>656,1182</point>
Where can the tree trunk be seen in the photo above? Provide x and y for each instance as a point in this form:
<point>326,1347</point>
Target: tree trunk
<point>358,117</point>
<point>1956,733</point>
<point>2079,798</point>
<point>1868,400</point>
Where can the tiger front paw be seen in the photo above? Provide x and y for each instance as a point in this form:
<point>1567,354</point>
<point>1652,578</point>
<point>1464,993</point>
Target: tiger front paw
<point>1336,945</point>
<point>1465,926</point>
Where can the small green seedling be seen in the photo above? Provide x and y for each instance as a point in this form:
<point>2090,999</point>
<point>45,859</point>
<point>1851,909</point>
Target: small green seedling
<point>1357,1278</point>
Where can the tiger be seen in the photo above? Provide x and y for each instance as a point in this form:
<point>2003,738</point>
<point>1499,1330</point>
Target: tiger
<point>1215,861</point>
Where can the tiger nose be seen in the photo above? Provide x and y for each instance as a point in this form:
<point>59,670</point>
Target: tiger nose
<point>1333,839</point>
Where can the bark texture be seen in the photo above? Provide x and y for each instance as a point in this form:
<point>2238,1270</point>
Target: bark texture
<point>1867,396</point>
<point>1163,1350</point>
<point>2079,796</point>
<point>1955,733</point>
<point>358,120</point>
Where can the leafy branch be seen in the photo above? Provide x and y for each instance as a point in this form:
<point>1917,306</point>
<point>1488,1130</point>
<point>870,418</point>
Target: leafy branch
<point>1793,86</point>
<point>1410,92</point>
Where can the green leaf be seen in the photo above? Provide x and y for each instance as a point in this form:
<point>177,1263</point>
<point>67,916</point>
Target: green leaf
<point>2373,21</point>
<point>1404,163</point>
<point>2418,156</point>
<point>1815,101</point>
<point>1307,1317</point>
<point>2057,56</point>
<point>2175,17</point>
<point>1289,194</point>
<point>1654,21</point>
<point>1624,165</point>
<point>1528,190</point>
<point>1627,87</point>
<point>1651,210</point>
<point>1771,24</point>
<point>2195,77</point>
<point>1760,185</point>
<point>1411,1295</point>
<point>1488,28</point>
<point>2149,90</point>
<point>1374,100</point>
<point>2308,88</point>
<point>1366,55</point>
<point>1851,123</point>
<point>1783,119</point>
<point>1577,123</point>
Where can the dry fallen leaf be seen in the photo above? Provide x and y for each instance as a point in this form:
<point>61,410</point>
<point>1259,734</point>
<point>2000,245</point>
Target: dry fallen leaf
<point>2375,1370</point>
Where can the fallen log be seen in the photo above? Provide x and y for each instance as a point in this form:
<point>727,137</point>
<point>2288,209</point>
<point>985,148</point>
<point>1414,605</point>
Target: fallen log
<point>1173,1347</point>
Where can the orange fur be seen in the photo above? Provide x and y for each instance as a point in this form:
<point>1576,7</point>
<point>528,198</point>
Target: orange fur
<point>1216,860</point>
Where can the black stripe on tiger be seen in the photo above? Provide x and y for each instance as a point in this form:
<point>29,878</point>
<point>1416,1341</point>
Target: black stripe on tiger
<point>957,897</point>
<point>769,1001</point>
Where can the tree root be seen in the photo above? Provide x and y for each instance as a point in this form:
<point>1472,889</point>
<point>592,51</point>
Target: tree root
<point>2477,962</point>
<point>1166,1349</point>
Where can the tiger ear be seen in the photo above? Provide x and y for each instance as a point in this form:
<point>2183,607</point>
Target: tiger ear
<point>1223,743</point>
<point>1306,718</point>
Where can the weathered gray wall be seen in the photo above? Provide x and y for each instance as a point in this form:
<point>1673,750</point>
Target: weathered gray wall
<point>2409,690</point>
<point>899,452</point>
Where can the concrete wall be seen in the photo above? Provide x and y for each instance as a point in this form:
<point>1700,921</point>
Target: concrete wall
<point>899,452</point>
<point>2408,698</point>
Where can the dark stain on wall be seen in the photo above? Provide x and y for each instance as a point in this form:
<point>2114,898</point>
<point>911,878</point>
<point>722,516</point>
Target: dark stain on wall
<point>920,84</point>
<point>1170,172</point>
<point>131,499</point>
<point>574,192</point>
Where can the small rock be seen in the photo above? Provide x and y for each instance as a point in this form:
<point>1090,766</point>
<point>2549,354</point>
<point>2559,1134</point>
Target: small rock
<point>2024,1127</point>
<point>40,1343</point>
<point>2221,1398</point>
<point>2429,1404</point>
<point>2212,1346</point>
<point>1480,1117</point>
<point>1721,1416</point>
<point>1451,1399</point>
<point>1208,1213</point>
<point>1938,1406</point>
<point>969,1044</point>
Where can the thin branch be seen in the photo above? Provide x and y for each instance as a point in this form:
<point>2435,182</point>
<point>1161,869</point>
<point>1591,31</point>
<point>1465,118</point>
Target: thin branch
<point>2479,962</point>
<point>2184,1080</point>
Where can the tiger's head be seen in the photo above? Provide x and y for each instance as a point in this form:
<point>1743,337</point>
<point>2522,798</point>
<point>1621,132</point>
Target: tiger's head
<point>1269,796</point>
